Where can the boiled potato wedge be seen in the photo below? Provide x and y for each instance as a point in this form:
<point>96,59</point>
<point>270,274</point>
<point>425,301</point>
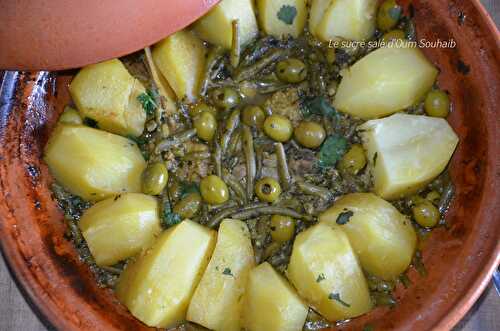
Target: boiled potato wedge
<point>384,82</point>
<point>281,18</point>
<point>181,60</point>
<point>216,303</point>
<point>342,19</point>
<point>70,116</point>
<point>325,271</point>
<point>406,152</point>
<point>93,164</point>
<point>271,303</point>
<point>107,93</point>
<point>158,286</point>
<point>216,26</point>
<point>119,228</point>
<point>383,239</point>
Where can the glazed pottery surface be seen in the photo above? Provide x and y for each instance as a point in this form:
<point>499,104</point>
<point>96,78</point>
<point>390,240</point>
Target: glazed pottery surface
<point>459,259</point>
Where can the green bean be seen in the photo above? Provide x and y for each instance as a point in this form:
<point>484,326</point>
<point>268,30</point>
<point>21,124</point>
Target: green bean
<point>234,145</point>
<point>213,57</point>
<point>259,159</point>
<point>217,157</point>
<point>174,140</point>
<point>270,210</point>
<point>112,270</point>
<point>311,189</point>
<point>235,44</point>
<point>252,70</point>
<point>446,197</point>
<point>227,212</point>
<point>235,185</point>
<point>383,299</point>
<point>232,123</point>
<point>266,86</point>
<point>283,172</point>
<point>249,151</point>
<point>196,156</point>
<point>259,48</point>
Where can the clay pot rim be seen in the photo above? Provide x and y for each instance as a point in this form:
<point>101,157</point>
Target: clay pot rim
<point>48,314</point>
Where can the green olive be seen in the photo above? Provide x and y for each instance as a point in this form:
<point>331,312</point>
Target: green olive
<point>205,125</point>
<point>433,196</point>
<point>188,206</point>
<point>278,127</point>
<point>291,71</point>
<point>253,116</point>
<point>393,36</point>
<point>200,108</point>
<point>426,214</point>
<point>268,189</point>
<point>70,116</point>
<point>310,134</point>
<point>354,160</point>
<point>388,15</point>
<point>282,228</point>
<point>154,178</point>
<point>213,190</point>
<point>437,104</point>
<point>225,97</point>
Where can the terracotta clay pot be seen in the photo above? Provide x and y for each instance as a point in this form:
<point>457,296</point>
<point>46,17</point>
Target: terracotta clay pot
<point>63,34</point>
<point>459,260</point>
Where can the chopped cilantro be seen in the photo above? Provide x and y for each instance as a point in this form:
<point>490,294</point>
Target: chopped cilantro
<point>287,14</point>
<point>344,217</point>
<point>90,122</point>
<point>148,102</point>
<point>332,151</point>
<point>168,217</point>
<point>336,297</point>
<point>318,106</point>
<point>320,278</point>
<point>189,187</point>
<point>227,272</point>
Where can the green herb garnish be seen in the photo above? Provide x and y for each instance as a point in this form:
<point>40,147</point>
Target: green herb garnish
<point>395,13</point>
<point>318,106</point>
<point>320,278</point>
<point>147,100</point>
<point>227,272</point>
<point>336,297</point>
<point>287,14</point>
<point>332,151</point>
<point>344,217</point>
<point>188,188</point>
<point>168,217</point>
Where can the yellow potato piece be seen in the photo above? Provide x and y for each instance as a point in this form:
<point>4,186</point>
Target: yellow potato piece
<point>406,152</point>
<point>325,271</point>
<point>342,19</point>
<point>385,81</point>
<point>93,164</point>
<point>181,60</point>
<point>158,286</point>
<point>118,228</point>
<point>270,12</point>
<point>383,239</point>
<point>107,93</point>
<point>271,303</point>
<point>217,301</point>
<point>216,26</point>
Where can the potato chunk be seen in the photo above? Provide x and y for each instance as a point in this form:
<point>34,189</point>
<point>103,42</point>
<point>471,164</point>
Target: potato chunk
<point>384,82</point>
<point>325,271</point>
<point>406,152</point>
<point>157,287</point>
<point>107,93</point>
<point>94,164</point>
<point>181,60</point>
<point>282,17</point>
<point>342,19</point>
<point>118,228</point>
<point>216,26</point>
<point>383,239</point>
<point>216,303</point>
<point>271,303</point>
